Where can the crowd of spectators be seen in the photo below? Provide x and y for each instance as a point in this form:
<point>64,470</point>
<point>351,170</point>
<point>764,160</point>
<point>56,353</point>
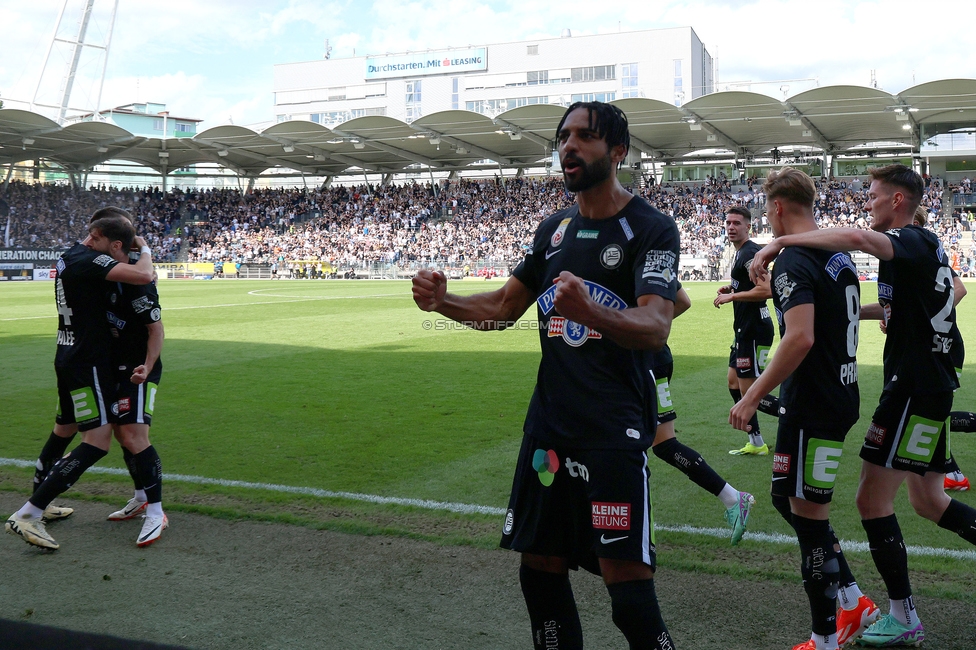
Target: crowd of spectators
<point>459,224</point>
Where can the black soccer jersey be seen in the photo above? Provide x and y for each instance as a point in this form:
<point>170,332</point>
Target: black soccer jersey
<point>822,391</point>
<point>591,392</point>
<point>750,318</point>
<point>79,291</point>
<point>131,309</point>
<point>915,289</point>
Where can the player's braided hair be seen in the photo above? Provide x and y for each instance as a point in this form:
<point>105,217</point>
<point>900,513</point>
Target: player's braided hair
<point>606,119</point>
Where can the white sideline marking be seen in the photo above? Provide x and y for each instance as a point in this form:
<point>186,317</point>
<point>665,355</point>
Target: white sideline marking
<point>248,304</point>
<point>465,508</point>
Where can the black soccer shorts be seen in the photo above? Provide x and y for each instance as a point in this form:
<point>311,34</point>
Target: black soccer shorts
<point>910,432</point>
<point>135,402</point>
<point>806,461</point>
<point>85,396</point>
<point>662,384</point>
<point>580,504</point>
<point>749,355</point>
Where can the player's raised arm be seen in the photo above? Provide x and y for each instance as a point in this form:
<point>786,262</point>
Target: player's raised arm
<point>490,310</point>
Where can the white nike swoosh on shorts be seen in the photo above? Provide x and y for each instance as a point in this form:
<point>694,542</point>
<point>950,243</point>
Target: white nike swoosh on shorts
<point>604,540</point>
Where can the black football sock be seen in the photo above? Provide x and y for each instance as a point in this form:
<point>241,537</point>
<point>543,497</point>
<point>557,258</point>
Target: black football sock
<point>690,463</point>
<point>53,451</point>
<point>769,405</point>
<point>552,609</point>
<point>846,578</point>
<point>754,423</point>
<point>150,470</point>
<point>736,394</point>
<point>960,519</point>
<point>782,505</point>
<point>127,456</point>
<point>64,474</point>
<point>963,421</point>
<point>820,571</point>
<point>637,614</point>
<point>889,554</point>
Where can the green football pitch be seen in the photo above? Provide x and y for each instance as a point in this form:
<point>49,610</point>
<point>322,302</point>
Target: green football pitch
<point>328,387</point>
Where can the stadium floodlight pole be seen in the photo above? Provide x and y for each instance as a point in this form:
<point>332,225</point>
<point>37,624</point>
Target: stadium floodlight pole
<point>108,45</point>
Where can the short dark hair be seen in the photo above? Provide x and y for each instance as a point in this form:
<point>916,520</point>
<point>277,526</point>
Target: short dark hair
<point>115,228</point>
<point>791,185</point>
<point>111,211</point>
<point>901,177</point>
<point>741,211</point>
<point>606,119</point>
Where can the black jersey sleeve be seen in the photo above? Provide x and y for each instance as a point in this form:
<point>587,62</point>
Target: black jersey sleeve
<point>92,264</point>
<point>144,301</point>
<point>907,244</point>
<point>656,261</point>
<point>793,280</point>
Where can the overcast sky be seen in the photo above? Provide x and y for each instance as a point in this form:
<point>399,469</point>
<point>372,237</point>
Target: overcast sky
<point>213,59</point>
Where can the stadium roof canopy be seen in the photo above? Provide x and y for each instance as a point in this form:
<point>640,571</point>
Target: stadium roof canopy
<point>833,119</point>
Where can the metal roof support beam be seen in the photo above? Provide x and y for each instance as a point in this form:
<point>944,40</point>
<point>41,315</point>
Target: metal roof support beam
<point>817,135</point>
<point>528,135</point>
<point>457,142</point>
<point>109,156</point>
<point>382,146</point>
<point>270,161</point>
<point>644,147</point>
<point>214,157</point>
<point>710,128</point>
<point>316,151</point>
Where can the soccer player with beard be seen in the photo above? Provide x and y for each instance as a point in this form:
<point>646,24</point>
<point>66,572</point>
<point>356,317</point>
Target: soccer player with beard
<point>86,383</point>
<point>751,323</point>
<point>817,300</point>
<point>907,441</point>
<point>603,276</point>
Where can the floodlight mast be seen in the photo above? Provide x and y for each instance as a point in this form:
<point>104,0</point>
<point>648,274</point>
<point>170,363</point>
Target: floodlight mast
<point>77,45</point>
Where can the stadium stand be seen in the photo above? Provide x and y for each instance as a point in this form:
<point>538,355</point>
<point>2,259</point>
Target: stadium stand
<point>471,227</point>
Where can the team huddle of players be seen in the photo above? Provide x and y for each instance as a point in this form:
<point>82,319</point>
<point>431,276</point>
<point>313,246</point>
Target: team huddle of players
<point>110,336</point>
<point>603,277</point>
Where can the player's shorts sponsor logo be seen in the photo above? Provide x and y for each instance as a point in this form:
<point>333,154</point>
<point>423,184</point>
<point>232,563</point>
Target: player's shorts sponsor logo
<point>572,333</point>
<point>155,314</point>
<point>546,463</point>
<point>781,463</point>
<point>659,265</point>
<point>124,405</point>
<point>103,260</point>
<point>875,434</point>
<point>557,237</point>
<point>885,291</point>
<point>610,516</point>
<point>85,405</point>
<point>920,439</point>
<point>612,256</point>
<point>601,295</point>
<point>577,470</point>
<point>587,234</point>
<point>823,461</point>
<point>838,263</point>
<point>762,357</point>
<point>509,522</point>
<point>743,363</point>
<point>784,286</point>
<point>141,304</point>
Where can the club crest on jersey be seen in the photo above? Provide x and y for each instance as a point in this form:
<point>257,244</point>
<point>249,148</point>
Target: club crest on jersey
<point>557,237</point>
<point>784,287</point>
<point>612,256</point>
<point>574,334</point>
